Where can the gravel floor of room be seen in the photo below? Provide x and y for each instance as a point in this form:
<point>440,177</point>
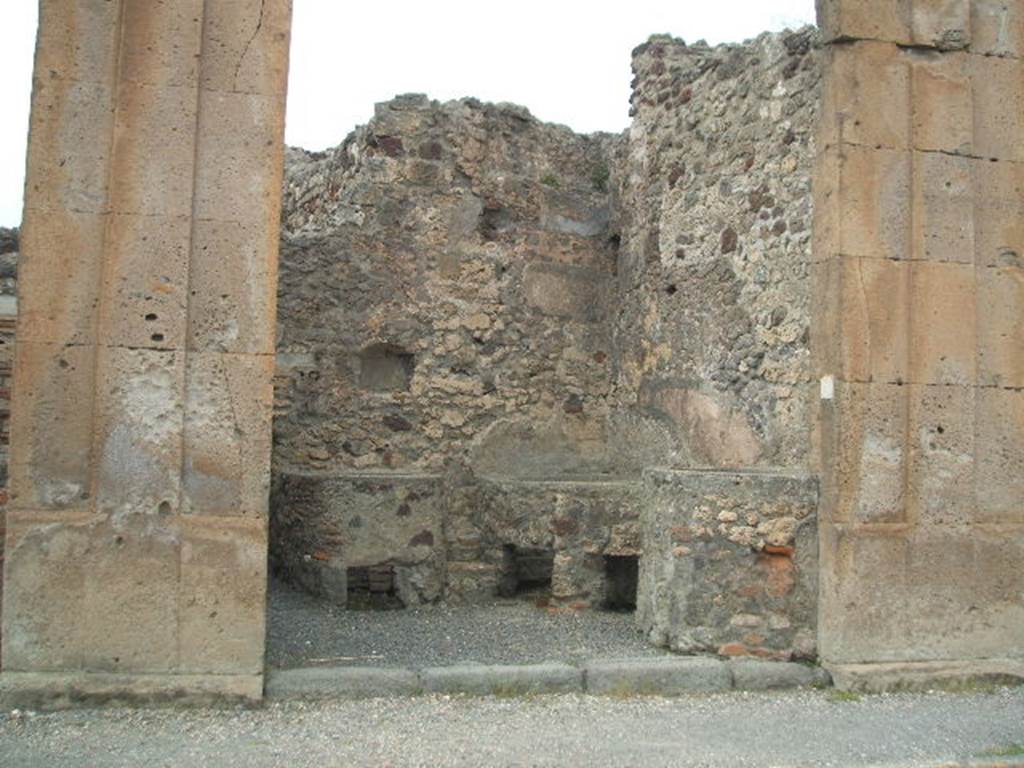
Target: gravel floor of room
<point>303,631</point>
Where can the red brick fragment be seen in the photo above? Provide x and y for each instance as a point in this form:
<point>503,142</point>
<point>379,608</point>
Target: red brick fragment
<point>733,649</point>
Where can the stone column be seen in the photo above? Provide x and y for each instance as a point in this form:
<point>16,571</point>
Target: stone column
<point>136,537</point>
<point>919,291</point>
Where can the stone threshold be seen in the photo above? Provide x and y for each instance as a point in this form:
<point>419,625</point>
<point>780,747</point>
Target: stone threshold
<point>919,676</point>
<point>626,678</point>
<point>55,690</point>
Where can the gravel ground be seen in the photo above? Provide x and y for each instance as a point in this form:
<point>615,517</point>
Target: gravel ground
<point>302,631</point>
<point>796,729</point>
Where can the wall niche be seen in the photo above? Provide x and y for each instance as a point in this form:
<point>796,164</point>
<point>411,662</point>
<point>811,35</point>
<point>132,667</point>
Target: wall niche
<point>386,368</point>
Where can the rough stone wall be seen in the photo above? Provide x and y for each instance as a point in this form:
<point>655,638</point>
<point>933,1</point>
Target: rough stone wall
<point>445,304</point>
<point>8,316</point>
<point>328,526</point>
<point>712,338</point>
<point>729,562</point>
<point>445,285</point>
<point>533,317</point>
<point>576,525</point>
<point>8,262</point>
<point>714,207</point>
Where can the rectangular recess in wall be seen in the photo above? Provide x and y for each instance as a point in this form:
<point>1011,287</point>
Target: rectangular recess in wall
<point>622,574</point>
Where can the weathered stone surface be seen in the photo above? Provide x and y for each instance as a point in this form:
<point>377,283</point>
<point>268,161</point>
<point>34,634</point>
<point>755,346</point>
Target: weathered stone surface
<point>54,393</point>
<point>445,297</point>
<point>341,683</point>
<point>729,562</point>
<point>664,677</point>
<point>865,20</point>
<point>916,288</point>
<point>756,675</point>
<point>857,77</point>
<point>522,680</point>
<point>713,271</point>
<point>928,676</point>
<point>226,443</point>
<point>579,522</point>
<point>136,543</point>
<point>222,595</point>
<point>326,524</point>
<point>148,265</point>
<point>61,248</point>
<point>56,690</point>
<point>466,244</point>
<point>997,28</point>
<point>70,141</point>
<point>939,24</point>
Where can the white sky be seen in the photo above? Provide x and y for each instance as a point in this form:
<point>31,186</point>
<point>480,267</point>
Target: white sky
<point>566,60</point>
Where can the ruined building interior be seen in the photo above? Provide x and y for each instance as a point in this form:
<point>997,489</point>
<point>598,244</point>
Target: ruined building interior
<point>751,369</point>
<point>483,343</point>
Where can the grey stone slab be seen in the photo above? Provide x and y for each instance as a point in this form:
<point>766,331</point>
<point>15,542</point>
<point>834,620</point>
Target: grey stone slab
<point>484,680</point>
<point>928,675</point>
<point>340,683</point>
<point>758,675</point>
<point>57,690</point>
<point>662,677</point>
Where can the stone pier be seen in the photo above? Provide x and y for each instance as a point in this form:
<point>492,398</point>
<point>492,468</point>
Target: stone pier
<point>137,526</point>
<point>919,289</point>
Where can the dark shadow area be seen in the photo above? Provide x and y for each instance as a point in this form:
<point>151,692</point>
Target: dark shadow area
<point>622,574</point>
<point>372,588</point>
<point>527,573</point>
<point>385,368</point>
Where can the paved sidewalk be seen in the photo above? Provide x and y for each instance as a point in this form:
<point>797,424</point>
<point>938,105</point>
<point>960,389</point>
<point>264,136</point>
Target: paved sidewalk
<point>806,728</point>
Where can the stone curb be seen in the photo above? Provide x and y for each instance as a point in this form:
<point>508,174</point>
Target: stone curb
<point>503,680</point>
<point>661,677</point>
<point>341,682</point>
<point>758,675</point>
<point>627,677</point>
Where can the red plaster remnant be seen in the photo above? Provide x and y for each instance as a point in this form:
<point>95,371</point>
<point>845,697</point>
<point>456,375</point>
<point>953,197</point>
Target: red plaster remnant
<point>779,579</point>
<point>751,590</point>
<point>733,649</point>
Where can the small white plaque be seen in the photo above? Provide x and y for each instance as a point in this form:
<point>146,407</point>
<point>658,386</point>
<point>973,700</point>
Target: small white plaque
<point>828,387</point>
